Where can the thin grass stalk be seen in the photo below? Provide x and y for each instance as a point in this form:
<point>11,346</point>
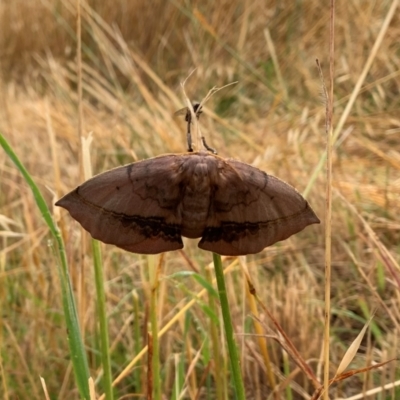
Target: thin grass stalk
<point>232,349</point>
<point>75,342</point>
<point>286,369</point>
<point>328,258</point>
<point>99,282</point>
<point>137,373</point>
<point>102,315</point>
<point>262,340</point>
<point>3,378</point>
<point>79,67</point>
<point>328,210</point>
<point>83,249</point>
<point>149,383</point>
<point>187,358</point>
<point>155,359</point>
<point>275,61</point>
<point>155,345</point>
<point>219,367</point>
<point>354,94</point>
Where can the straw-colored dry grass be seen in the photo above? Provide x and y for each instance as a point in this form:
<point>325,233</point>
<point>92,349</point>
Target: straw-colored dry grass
<point>135,54</point>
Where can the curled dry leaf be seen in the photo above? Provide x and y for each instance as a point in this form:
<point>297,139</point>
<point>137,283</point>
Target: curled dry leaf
<point>147,206</point>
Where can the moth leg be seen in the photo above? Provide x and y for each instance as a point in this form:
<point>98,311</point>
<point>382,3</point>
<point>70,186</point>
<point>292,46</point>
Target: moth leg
<point>189,134</point>
<point>198,110</point>
<point>210,149</point>
<point>188,118</point>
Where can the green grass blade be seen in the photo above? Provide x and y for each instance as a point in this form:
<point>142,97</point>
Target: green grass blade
<point>219,362</point>
<point>76,348</point>
<point>232,348</point>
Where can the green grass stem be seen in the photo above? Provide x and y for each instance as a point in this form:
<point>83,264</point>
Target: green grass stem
<point>232,348</point>
<point>220,368</point>
<point>102,315</point>
<point>155,362</point>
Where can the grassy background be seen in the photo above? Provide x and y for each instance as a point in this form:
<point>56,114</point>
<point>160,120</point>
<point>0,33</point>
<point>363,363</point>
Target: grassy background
<point>135,55</point>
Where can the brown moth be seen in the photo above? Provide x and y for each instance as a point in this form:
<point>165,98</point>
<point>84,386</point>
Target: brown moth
<point>147,206</point>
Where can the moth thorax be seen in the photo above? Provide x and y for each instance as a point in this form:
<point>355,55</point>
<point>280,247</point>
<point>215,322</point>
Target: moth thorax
<point>196,201</point>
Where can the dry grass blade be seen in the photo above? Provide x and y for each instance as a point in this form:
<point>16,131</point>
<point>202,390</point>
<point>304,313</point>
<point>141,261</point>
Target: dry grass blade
<point>86,142</point>
<point>149,383</point>
<point>46,393</point>
<point>345,375</point>
<point>272,50</point>
<point>192,365</point>
<point>92,389</point>
<point>353,349</point>
<point>262,342</point>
